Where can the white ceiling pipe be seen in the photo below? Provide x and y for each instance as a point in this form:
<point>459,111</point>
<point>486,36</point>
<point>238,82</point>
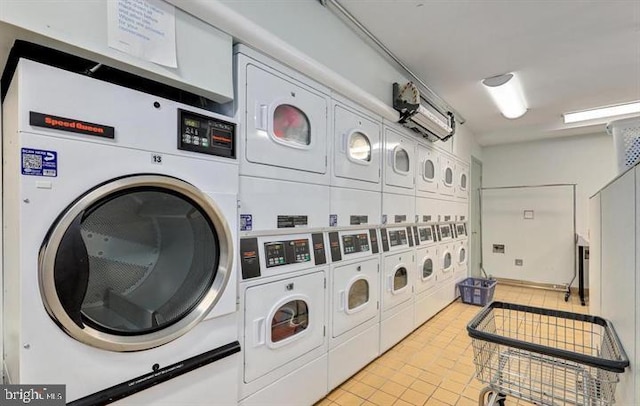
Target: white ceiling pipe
<point>249,33</point>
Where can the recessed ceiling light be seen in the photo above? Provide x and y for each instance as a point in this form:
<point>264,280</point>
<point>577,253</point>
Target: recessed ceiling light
<point>506,93</point>
<point>602,112</point>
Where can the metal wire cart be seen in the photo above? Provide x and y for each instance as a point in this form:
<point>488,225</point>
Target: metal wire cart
<point>544,356</point>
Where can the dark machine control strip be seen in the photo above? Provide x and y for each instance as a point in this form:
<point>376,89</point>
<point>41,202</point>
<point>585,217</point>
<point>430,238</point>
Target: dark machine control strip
<point>373,236</point>
<point>334,246</point>
<point>415,235</point>
<point>135,385</point>
<point>410,236</point>
<point>318,248</point>
<point>249,258</point>
<point>385,239</point>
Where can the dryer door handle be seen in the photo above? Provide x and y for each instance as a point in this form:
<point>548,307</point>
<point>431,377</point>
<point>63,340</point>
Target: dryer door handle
<point>390,284</point>
<point>261,117</point>
<point>258,332</point>
<point>342,300</point>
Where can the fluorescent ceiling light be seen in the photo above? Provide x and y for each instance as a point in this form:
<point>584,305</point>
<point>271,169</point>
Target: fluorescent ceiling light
<point>602,112</point>
<point>506,94</point>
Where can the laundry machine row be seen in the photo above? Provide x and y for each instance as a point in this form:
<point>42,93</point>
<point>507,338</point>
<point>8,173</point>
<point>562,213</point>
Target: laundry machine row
<point>119,245</point>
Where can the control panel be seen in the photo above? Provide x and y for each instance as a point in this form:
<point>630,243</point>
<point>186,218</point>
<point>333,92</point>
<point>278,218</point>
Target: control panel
<point>298,252</point>
<point>279,253</point>
<point>353,243</point>
<point>426,234</point>
<point>461,229</point>
<point>398,237</point>
<point>207,135</point>
<point>445,232</point>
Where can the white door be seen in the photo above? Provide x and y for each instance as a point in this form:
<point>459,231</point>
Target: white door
<point>446,262</point>
<point>283,321</point>
<point>356,146</point>
<point>462,181</point>
<point>398,279</point>
<point>427,263</point>
<point>427,171</point>
<point>399,160</point>
<point>447,176</point>
<point>355,293</point>
<point>286,124</point>
<point>461,258</point>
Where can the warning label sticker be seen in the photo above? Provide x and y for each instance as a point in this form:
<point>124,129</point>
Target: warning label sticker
<point>36,162</point>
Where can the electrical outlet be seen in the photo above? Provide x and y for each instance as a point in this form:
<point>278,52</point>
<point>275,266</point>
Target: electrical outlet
<point>519,262</point>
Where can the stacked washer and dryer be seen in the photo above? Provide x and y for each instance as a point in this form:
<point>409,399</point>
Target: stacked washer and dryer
<point>284,209</point>
<point>354,280</point>
<point>119,242</point>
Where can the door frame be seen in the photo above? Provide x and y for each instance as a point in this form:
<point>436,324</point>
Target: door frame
<point>474,261</point>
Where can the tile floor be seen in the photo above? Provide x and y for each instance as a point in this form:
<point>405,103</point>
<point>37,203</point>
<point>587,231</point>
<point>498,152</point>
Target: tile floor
<point>434,364</point>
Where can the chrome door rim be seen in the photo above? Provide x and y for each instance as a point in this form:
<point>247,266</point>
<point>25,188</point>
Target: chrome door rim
<point>113,342</point>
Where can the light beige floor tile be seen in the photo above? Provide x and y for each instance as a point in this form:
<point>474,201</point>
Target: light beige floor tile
<point>434,402</point>
<point>414,397</point>
<point>423,387</point>
<point>446,396</point>
<point>361,389</point>
<point>335,394</point>
<point>452,386</point>
<point>403,379</point>
<point>393,388</point>
<point>380,398</point>
<point>374,380</point>
<point>349,399</point>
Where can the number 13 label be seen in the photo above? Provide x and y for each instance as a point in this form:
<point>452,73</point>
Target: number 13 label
<point>156,159</point>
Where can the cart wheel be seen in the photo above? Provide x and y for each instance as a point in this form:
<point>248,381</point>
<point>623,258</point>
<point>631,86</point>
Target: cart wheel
<point>501,398</point>
<point>566,296</point>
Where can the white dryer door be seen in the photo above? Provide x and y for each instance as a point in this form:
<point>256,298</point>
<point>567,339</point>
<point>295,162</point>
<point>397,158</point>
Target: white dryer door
<point>427,260</point>
<point>462,181</point>
<point>283,321</point>
<point>286,125</point>
<point>428,171</point>
<point>399,166</point>
<point>447,177</point>
<point>447,261</point>
<point>357,146</point>
<point>135,263</point>
<point>398,279</point>
<point>355,294</point>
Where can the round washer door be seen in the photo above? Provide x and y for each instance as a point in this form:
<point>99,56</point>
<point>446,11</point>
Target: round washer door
<point>135,263</point>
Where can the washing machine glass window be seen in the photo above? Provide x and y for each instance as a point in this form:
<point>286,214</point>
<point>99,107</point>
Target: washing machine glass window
<point>289,320</point>
<point>400,279</point>
<point>447,260</point>
<point>427,268</point>
<point>401,161</point>
<point>358,295</point>
<point>462,255</point>
<point>135,262</point>
<point>463,181</point>
<point>429,172</point>
<point>359,148</point>
<point>448,176</point>
<point>291,125</point>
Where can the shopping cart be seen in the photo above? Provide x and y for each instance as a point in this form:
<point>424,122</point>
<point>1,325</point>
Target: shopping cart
<point>546,357</point>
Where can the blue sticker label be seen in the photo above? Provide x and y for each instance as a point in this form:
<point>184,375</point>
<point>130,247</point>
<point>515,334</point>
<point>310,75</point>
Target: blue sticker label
<point>246,222</point>
<point>333,220</point>
<point>36,162</point>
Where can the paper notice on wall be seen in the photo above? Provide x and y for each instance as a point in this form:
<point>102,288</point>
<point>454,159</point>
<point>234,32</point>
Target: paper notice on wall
<point>143,28</point>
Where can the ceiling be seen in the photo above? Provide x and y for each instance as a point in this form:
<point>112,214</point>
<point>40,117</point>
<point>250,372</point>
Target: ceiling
<point>569,55</point>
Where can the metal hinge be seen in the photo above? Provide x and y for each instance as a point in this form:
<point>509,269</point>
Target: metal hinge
<point>324,331</point>
<point>326,162</point>
<point>325,283</point>
<point>378,305</point>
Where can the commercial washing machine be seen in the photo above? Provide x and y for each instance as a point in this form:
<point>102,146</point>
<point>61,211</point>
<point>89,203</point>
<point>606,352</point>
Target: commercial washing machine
<point>283,145</point>
<point>427,260</point>
<point>283,301</point>
<point>354,289</point>
<point>118,243</point>
<point>356,165</point>
<point>398,277</point>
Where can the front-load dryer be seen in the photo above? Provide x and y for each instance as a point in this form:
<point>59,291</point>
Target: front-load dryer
<point>427,270</point>
<point>398,161</point>
<point>354,318</point>
<point>283,300</point>
<point>284,119</point>
<point>118,245</point>
<point>447,186</point>
<point>461,259</point>
<point>461,181</point>
<point>427,171</point>
<point>446,266</point>
<point>398,276</point>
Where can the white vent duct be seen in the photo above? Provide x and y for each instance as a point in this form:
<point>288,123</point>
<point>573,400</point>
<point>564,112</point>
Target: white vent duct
<point>419,116</point>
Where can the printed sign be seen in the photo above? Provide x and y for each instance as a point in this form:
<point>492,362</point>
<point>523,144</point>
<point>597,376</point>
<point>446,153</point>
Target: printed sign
<point>71,125</point>
<point>36,162</point>
<point>292,221</point>
<point>333,220</point>
<point>246,222</point>
<point>357,220</point>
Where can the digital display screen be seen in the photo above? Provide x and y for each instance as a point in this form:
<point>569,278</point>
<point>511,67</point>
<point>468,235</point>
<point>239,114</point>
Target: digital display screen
<point>398,237</point>
<point>191,123</point>
<point>425,234</point>
<point>355,243</point>
<point>208,135</point>
<point>286,252</point>
<point>274,254</point>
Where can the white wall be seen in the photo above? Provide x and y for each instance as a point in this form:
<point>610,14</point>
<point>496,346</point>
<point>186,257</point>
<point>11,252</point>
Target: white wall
<point>585,160</point>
